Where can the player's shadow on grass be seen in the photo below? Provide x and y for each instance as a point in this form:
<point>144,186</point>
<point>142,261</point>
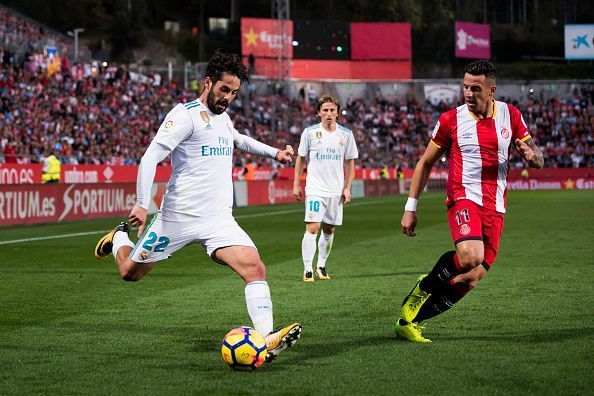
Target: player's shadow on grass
<point>534,337</point>
<point>302,353</point>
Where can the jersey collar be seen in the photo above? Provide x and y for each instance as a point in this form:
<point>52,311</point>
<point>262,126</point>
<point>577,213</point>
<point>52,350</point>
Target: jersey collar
<point>492,117</point>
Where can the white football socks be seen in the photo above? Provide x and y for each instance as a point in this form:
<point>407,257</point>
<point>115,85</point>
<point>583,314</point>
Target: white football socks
<point>324,248</point>
<point>120,238</point>
<point>259,306</point>
<point>308,250</point>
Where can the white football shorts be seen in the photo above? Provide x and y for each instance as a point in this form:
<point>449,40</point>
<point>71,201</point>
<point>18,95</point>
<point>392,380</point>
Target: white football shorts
<point>327,210</point>
<point>162,238</point>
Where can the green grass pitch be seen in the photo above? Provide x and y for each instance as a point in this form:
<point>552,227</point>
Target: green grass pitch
<point>69,325</point>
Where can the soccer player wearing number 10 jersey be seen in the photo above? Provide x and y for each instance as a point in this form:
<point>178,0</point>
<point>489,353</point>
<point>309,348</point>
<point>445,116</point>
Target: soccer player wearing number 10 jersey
<point>197,207</point>
<point>328,146</point>
<point>477,138</point>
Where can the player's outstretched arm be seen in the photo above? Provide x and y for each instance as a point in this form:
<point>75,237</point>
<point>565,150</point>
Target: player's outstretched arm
<point>417,184</point>
<point>299,166</point>
<point>530,152</point>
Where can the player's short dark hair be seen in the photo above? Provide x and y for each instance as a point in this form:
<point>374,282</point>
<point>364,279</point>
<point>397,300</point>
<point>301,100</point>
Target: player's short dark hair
<point>224,62</point>
<point>328,99</point>
<point>482,67</point>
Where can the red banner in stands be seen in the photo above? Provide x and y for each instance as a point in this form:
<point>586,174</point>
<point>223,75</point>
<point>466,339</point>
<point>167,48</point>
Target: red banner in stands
<point>374,188</point>
<point>265,37</point>
<point>20,173</point>
<point>270,192</point>
<point>108,173</point>
<point>45,203</point>
<point>388,41</point>
<point>551,184</point>
<point>351,70</point>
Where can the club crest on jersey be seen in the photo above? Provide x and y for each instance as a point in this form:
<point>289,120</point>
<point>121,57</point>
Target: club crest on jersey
<point>318,134</point>
<point>341,141</point>
<point>464,229</point>
<point>504,133</point>
<point>204,116</point>
<point>168,124</point>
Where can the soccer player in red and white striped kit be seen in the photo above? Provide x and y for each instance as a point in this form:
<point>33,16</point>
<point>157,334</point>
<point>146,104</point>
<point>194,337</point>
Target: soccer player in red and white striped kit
<point>477,138</point>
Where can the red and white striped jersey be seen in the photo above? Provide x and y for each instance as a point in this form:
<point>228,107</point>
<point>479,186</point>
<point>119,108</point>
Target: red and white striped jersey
<point>478,152</point>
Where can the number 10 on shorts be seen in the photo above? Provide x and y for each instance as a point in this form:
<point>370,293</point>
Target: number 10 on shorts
<point>314,206</point>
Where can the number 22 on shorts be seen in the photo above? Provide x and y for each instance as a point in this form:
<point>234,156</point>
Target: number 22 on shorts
<point>162,242</point>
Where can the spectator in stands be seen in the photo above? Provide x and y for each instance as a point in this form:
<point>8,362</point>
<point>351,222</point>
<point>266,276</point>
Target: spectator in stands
<point>51,171</point>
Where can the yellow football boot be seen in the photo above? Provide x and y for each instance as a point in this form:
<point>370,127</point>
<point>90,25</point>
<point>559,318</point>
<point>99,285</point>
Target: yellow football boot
<point>322,274</point>
<point>308,277</point>
<point>105,244</point>
<point>414,301</point>
<point>411,332</point>
<point>279,340</point>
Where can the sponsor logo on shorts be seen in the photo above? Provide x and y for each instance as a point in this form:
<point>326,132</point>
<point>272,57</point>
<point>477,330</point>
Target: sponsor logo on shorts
<point>504,133</point>
<point>464,229</point>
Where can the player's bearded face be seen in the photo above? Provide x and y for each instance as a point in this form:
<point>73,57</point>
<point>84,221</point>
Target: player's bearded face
<point>478,90</point>
<point>222,93</point>
<point>215,105</point>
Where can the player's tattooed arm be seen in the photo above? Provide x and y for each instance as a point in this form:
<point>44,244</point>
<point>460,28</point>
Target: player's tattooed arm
<point>531,153</point>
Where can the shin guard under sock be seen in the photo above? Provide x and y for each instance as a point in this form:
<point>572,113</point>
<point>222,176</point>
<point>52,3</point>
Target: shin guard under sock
<point>446,269</point>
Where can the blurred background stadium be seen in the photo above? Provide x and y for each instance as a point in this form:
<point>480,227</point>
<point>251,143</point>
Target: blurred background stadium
<point>91,80</point>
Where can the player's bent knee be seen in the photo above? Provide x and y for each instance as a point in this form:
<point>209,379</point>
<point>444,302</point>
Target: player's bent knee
<point>328,230</point>
<point>254,271</point>
<point>470,259</point>
<point>132,271</point>
<point>312,228</point>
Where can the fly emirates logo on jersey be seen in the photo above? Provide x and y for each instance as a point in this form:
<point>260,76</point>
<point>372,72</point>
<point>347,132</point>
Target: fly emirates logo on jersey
<point>331,154</point>
<point>222,148</point>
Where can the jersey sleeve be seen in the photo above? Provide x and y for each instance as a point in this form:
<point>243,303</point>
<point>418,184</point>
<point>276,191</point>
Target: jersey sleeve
<point>176,127</point>
<point>518,125</point>
<point>303,149</point>
<point>441,136</point>
<point>351,151</point>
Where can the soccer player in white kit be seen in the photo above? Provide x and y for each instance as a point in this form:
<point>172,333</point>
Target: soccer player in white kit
<point>328,146</point>
<point>197,207</point>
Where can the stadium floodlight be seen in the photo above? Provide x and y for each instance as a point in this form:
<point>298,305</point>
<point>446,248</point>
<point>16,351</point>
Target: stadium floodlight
<point>74,33</point>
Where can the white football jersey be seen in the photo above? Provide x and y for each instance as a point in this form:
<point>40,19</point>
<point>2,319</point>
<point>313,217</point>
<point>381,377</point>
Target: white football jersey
<point>201,144</point>
<point>326,152</point>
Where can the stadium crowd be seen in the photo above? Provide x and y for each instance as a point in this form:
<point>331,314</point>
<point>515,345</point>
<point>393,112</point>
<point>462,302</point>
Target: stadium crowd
<point>101,115</point>
<point>107,115</point>
<point>17,32</point>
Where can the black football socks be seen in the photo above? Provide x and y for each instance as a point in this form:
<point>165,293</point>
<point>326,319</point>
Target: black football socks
<point>442,273</point>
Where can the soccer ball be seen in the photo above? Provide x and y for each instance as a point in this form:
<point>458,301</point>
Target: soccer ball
<point>243,348</point>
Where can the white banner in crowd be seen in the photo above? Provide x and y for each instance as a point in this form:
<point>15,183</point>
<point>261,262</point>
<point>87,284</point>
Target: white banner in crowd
<point>436,93</point>
<point>579,41</point>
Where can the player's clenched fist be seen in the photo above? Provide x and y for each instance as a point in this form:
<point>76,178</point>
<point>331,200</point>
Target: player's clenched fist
<point>285,156</point>
<point>408,223</point>
<point>137,218</point>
